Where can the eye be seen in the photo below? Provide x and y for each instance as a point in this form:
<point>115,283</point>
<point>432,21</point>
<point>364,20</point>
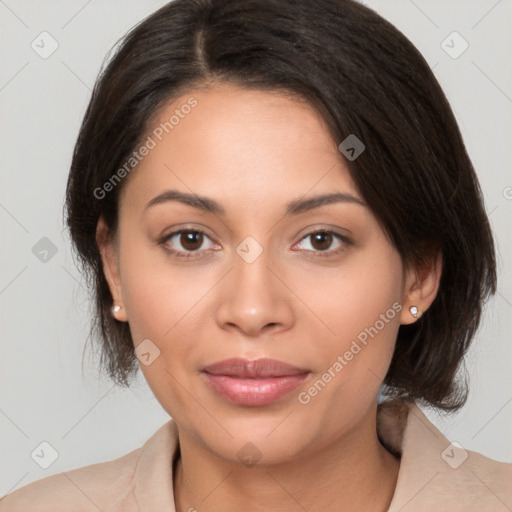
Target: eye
<point>321,241</point>
<point>191,241</point>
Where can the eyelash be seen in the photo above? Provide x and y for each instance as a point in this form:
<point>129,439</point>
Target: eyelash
<point>322,254</point>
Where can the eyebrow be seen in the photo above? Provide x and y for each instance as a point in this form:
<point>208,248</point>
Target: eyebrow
<point>294,207</point>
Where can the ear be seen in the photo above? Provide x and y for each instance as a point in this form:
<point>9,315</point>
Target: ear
<point>421,286</point>
<point>110,261</point>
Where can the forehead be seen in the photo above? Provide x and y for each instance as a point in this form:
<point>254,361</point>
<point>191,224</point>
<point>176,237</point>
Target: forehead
<point>239,144</point>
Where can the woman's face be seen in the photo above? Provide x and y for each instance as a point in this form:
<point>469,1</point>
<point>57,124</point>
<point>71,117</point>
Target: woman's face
<point>262,279</point>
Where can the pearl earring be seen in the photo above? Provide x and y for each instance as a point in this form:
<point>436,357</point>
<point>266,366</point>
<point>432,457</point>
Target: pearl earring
<point>116,309</point>
<point>414,311</point>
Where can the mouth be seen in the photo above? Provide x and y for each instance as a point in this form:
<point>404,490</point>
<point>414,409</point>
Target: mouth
<point>253,383</point>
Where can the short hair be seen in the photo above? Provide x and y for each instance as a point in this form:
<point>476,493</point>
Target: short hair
<point>364,77</point>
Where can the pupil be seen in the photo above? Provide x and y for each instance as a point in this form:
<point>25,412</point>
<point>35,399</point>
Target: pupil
<point>191,240</point>
<point>325,240</point>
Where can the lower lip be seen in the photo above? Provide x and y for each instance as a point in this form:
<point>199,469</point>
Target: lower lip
<point>253,392</point>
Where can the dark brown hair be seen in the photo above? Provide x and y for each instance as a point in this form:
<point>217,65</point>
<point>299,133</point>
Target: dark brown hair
<point>365,78</point>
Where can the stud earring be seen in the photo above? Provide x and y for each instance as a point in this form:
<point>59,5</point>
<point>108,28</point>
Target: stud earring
<point>115,309</point>
<point>414,311</point>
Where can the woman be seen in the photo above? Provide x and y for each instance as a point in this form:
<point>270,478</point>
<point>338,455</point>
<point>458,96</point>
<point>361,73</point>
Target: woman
<point>284,231</point>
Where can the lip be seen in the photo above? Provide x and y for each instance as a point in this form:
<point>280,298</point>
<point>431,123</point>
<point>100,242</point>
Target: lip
<point>253,383</point>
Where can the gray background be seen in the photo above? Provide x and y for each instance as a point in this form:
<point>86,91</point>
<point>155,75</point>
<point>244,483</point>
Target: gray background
<point>45,395</point>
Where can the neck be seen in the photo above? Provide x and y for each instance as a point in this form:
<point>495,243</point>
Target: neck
<point>354,472</point>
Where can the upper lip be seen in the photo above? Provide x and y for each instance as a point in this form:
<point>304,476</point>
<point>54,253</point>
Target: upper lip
<point>264,367</point>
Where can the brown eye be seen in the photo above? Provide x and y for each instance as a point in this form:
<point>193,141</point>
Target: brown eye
<point>191,240</point>
<point>321,240</point>
<point>186,243</point>
<point>324,243</point>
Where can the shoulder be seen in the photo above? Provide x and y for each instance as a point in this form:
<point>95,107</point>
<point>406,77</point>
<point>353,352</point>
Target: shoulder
<point>116,485</point>
<point>464,481</point>
<point>89,488</point>
<point>436,474</point>
<point>493,474</point>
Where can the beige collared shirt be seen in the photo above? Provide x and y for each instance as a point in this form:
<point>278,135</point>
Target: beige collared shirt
<point>434,476</point>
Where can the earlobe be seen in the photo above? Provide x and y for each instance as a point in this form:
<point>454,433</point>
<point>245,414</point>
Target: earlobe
<point>111,269</point>
<point>421,287</point>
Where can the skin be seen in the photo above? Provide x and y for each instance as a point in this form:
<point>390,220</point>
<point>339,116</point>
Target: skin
<point>253,152</point>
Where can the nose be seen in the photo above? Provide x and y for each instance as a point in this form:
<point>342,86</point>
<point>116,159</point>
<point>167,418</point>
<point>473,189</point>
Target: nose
<point>254,298</point>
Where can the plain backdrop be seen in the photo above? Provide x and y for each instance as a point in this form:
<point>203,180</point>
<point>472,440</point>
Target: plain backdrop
<point>45,395</point>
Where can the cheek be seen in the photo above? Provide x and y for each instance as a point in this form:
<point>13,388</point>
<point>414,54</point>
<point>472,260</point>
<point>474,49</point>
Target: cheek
<point>161,303</point>
<point>166,304</point>
<point>364,292</point>
<point>360,312</point>
<point>365,306</point>
<point>158,294</point>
